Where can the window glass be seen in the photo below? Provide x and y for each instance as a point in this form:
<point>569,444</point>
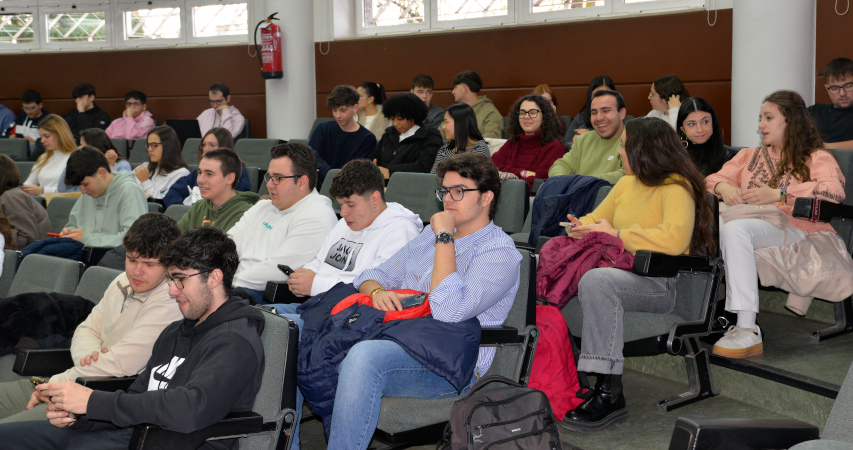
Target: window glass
<point>76,27</point>
<point>378,13</point>
<point>16,28</point>
<point>221,20</point>
<point>560,5</point>
<point>156,23</point>
<point>471,9</point>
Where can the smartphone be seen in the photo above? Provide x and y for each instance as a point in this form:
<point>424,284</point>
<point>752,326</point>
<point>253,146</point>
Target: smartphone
<point>54,234</point>
<point>37,381</point>
<point>566,224</point>
<point>415,300</point>
<point>286,269</point>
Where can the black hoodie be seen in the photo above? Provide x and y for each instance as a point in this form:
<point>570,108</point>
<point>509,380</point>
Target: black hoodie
<point>195,377</point>
<point>94,117</point>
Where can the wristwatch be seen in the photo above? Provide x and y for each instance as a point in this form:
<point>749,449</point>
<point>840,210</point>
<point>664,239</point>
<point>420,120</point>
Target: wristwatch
<point>444,238</point>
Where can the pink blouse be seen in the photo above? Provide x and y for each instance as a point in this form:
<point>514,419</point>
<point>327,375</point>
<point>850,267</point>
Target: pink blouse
<point>756,164</point>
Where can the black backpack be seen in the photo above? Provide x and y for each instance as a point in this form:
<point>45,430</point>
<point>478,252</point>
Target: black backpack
<point>507,417</point>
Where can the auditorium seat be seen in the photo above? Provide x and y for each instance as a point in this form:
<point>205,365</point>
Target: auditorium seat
<point>94,283</point>
<point>327,185</point>
<point>177,211</point>
<point>139,152</point>
<point>11,259</point>
<point>318,121</point>
<point>15,148</point>
<point>58,211</point>
<point>190,150</point>
<point>255,152</point>
<point>513,205</point>
<point>415,191</point>
<point>32,275</point>
<point>121,146</point>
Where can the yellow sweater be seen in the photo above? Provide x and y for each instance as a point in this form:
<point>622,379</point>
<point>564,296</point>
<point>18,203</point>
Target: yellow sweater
<point>658,218</point>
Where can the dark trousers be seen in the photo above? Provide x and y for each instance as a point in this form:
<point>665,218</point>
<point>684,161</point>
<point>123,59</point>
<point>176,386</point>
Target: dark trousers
<point>41,435</point>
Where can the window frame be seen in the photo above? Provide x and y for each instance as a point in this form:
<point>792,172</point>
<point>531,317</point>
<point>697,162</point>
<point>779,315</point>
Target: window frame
<point>122,8</point>
<point>478,22</point>
<point>227,39</point>
<point>528,16</point>
<point>361,30</point>
<point>44,30</point>
<point>13,9</point>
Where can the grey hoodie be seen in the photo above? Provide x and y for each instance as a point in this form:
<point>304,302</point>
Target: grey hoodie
<point>107,218</point>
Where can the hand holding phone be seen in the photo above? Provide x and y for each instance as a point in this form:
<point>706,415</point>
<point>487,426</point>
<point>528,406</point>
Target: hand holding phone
<point>415,300</point>
<point>286,269</point>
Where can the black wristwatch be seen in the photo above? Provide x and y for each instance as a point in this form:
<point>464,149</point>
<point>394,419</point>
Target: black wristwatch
<point>444,238</point>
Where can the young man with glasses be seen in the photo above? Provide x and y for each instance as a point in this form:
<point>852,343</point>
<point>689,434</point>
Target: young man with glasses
<point>221,113</point>
<point>117,336</point>
<point>201,368</point>
<point>470,268</point>
<point>835,121</point>
<point>597,154</point>
<point>136,121</point>
<point>289,228</point>
<point>26,124</point>
<point>87,114</point>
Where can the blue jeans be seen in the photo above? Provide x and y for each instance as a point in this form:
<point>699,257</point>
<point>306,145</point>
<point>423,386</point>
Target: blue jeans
<point>41,434</point>
<point>370,371</point>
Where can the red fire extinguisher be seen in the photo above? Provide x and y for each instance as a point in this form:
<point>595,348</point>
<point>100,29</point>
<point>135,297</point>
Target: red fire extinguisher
<point>270,53</point>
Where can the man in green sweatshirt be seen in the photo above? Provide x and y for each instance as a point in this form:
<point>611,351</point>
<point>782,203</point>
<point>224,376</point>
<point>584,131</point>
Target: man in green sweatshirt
<point>466,87</point>
<point>109,203</point>
<point>221,205</point>
<point>597,154</point>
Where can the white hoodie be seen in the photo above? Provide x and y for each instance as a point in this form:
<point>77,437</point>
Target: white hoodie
<point>347,253</point>
<point>267,236</point>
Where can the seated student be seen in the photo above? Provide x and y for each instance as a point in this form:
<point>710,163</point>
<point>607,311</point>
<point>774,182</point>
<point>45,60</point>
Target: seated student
<point>791,163</point>
<point>581,123</point>
<point>422,86</point>
<point>660,205</point>
<point>339,142</point>
<point>597,154</point>
<point>26,216</point>
<point>455,259</point>
<point>666,95</point>
<point>87,114</point>
<point>548,94</point>
<point>700,133</point>
<point>289,228</point>
<point>466,86</point>
<point>460,129</point>
<point>136,121</point>
<point>221,205</point>
<point>214,138</point>
<point>835,121</point>
<point>371,96</point>
<point>535,140</point>
<point>110,203</point>
<point>117,336</point>
<point>7,121</point>
<point>406,146</point>
<point>26,124</point>
<point>96,137</point>
<point>176,390</point>
<point>165,166</point>
<point>221,113</point>
<point>58,144</point>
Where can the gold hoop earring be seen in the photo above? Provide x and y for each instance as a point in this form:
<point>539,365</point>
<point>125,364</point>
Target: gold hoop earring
<point>684,142</point>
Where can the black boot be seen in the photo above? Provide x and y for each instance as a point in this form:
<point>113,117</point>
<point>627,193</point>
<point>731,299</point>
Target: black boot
<point>606,407</point>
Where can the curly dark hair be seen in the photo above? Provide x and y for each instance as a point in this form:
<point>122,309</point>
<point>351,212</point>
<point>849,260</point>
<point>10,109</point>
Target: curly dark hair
<point>151,235</point>
<point>358,177</point>
<point>204,249</point>
<point>655,154</point>
<point>550,122</point>
<point>801,136</point>
<point>477,167</point>
<point>405,106</point>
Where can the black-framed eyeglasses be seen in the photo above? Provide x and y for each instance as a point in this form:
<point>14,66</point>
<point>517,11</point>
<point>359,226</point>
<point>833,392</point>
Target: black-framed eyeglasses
<point>533,113</point>
<point>276,179</point>
<point>835,89</point>
<point>216,102</point>
<point>457,193</point>
<point>153,144</point>
<point>179,281</point>
<point>29,108</point>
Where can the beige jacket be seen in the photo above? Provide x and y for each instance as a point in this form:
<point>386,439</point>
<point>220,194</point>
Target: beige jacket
<point>127,325</point>
<point>379,124</point>
<point>818,266</point>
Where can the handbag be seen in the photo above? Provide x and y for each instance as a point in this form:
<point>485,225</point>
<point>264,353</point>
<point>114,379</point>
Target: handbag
<point>768,213</point>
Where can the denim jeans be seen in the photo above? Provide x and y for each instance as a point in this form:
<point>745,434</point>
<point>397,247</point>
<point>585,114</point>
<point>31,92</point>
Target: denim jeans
<point>605,294</point>
<point>370,371</point>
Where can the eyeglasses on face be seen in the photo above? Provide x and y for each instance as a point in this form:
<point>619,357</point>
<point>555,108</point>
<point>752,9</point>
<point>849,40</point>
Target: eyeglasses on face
<point>457,193</point>
<point>29,108</point>
<point>276,179</point>
<point>533,113</point>
<point>216,102</point>
<point>179,281</point>
<point>153,145</point>
<point>836,89</point>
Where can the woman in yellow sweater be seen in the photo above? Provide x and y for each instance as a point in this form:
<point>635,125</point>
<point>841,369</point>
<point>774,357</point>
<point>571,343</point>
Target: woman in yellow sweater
<point>660,205</point>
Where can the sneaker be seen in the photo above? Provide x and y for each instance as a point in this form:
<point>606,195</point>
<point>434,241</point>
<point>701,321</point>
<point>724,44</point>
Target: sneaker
<point>740,343</point>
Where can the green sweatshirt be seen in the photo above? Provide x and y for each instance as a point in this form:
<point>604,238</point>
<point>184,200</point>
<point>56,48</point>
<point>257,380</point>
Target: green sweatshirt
<point>591,156</point>
<point>224,217</point>
<point>489,119</point>
<point>107,218</point>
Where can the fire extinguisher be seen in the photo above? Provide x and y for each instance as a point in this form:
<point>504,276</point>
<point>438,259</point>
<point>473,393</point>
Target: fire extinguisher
<point>270,53</point>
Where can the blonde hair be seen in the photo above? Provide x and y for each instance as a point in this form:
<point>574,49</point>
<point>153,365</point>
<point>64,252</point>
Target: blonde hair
<point>58,127</point>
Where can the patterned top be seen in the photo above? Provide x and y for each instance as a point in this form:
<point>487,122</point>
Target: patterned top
<point>756,164</point>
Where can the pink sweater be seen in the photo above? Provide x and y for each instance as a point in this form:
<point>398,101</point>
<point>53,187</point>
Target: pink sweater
<point>231,119</point>
<point>528,154</point>
<point>756,164</point>
<point>131,128</point>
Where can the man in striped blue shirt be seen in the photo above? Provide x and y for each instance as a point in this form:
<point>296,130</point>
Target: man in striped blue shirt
<point>470,268</point>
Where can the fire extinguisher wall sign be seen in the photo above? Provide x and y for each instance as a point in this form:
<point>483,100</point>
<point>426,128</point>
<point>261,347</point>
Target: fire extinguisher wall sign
<point>271,64</point>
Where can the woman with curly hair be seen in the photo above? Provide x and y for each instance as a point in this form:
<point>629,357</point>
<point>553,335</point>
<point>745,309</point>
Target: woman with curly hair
<point>58,145</point>
<point>407,145</point>
<point>460,129</point>
<point>791,163</point>
<point>700,134</point>
<point>665,96</point>
<point>535,140</point>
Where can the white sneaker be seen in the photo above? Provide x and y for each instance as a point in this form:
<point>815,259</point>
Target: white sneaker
<point>740,343</point>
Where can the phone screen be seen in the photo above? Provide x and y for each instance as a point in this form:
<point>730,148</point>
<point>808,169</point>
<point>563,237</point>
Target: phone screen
<point>415,300</point>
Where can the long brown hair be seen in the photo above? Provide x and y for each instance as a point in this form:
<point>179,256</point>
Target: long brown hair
<point>58,127</point>
<point>655,154</point>
<point>10,177</point>
<point>801,136</point>
<point>170,158</point>
<point>6,231</point>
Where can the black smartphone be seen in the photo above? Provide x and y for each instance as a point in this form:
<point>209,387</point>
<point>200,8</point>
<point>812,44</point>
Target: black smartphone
<point>286,269</point>
<point>415,300</point>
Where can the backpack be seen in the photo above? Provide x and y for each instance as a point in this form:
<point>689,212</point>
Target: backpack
<point>507,417</point>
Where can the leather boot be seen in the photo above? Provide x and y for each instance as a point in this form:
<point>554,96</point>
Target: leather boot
<point>606,407</point>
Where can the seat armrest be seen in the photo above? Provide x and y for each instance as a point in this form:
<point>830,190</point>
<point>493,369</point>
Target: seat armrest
<point>815,210</point>
<point>654,264</point>
<point>280,293</point>
<point>92,255</point>
<point>42,361</point>
<point>498,335</point>
<point>235,424</point>
<point>739,434</point>
<point>107,384</point>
